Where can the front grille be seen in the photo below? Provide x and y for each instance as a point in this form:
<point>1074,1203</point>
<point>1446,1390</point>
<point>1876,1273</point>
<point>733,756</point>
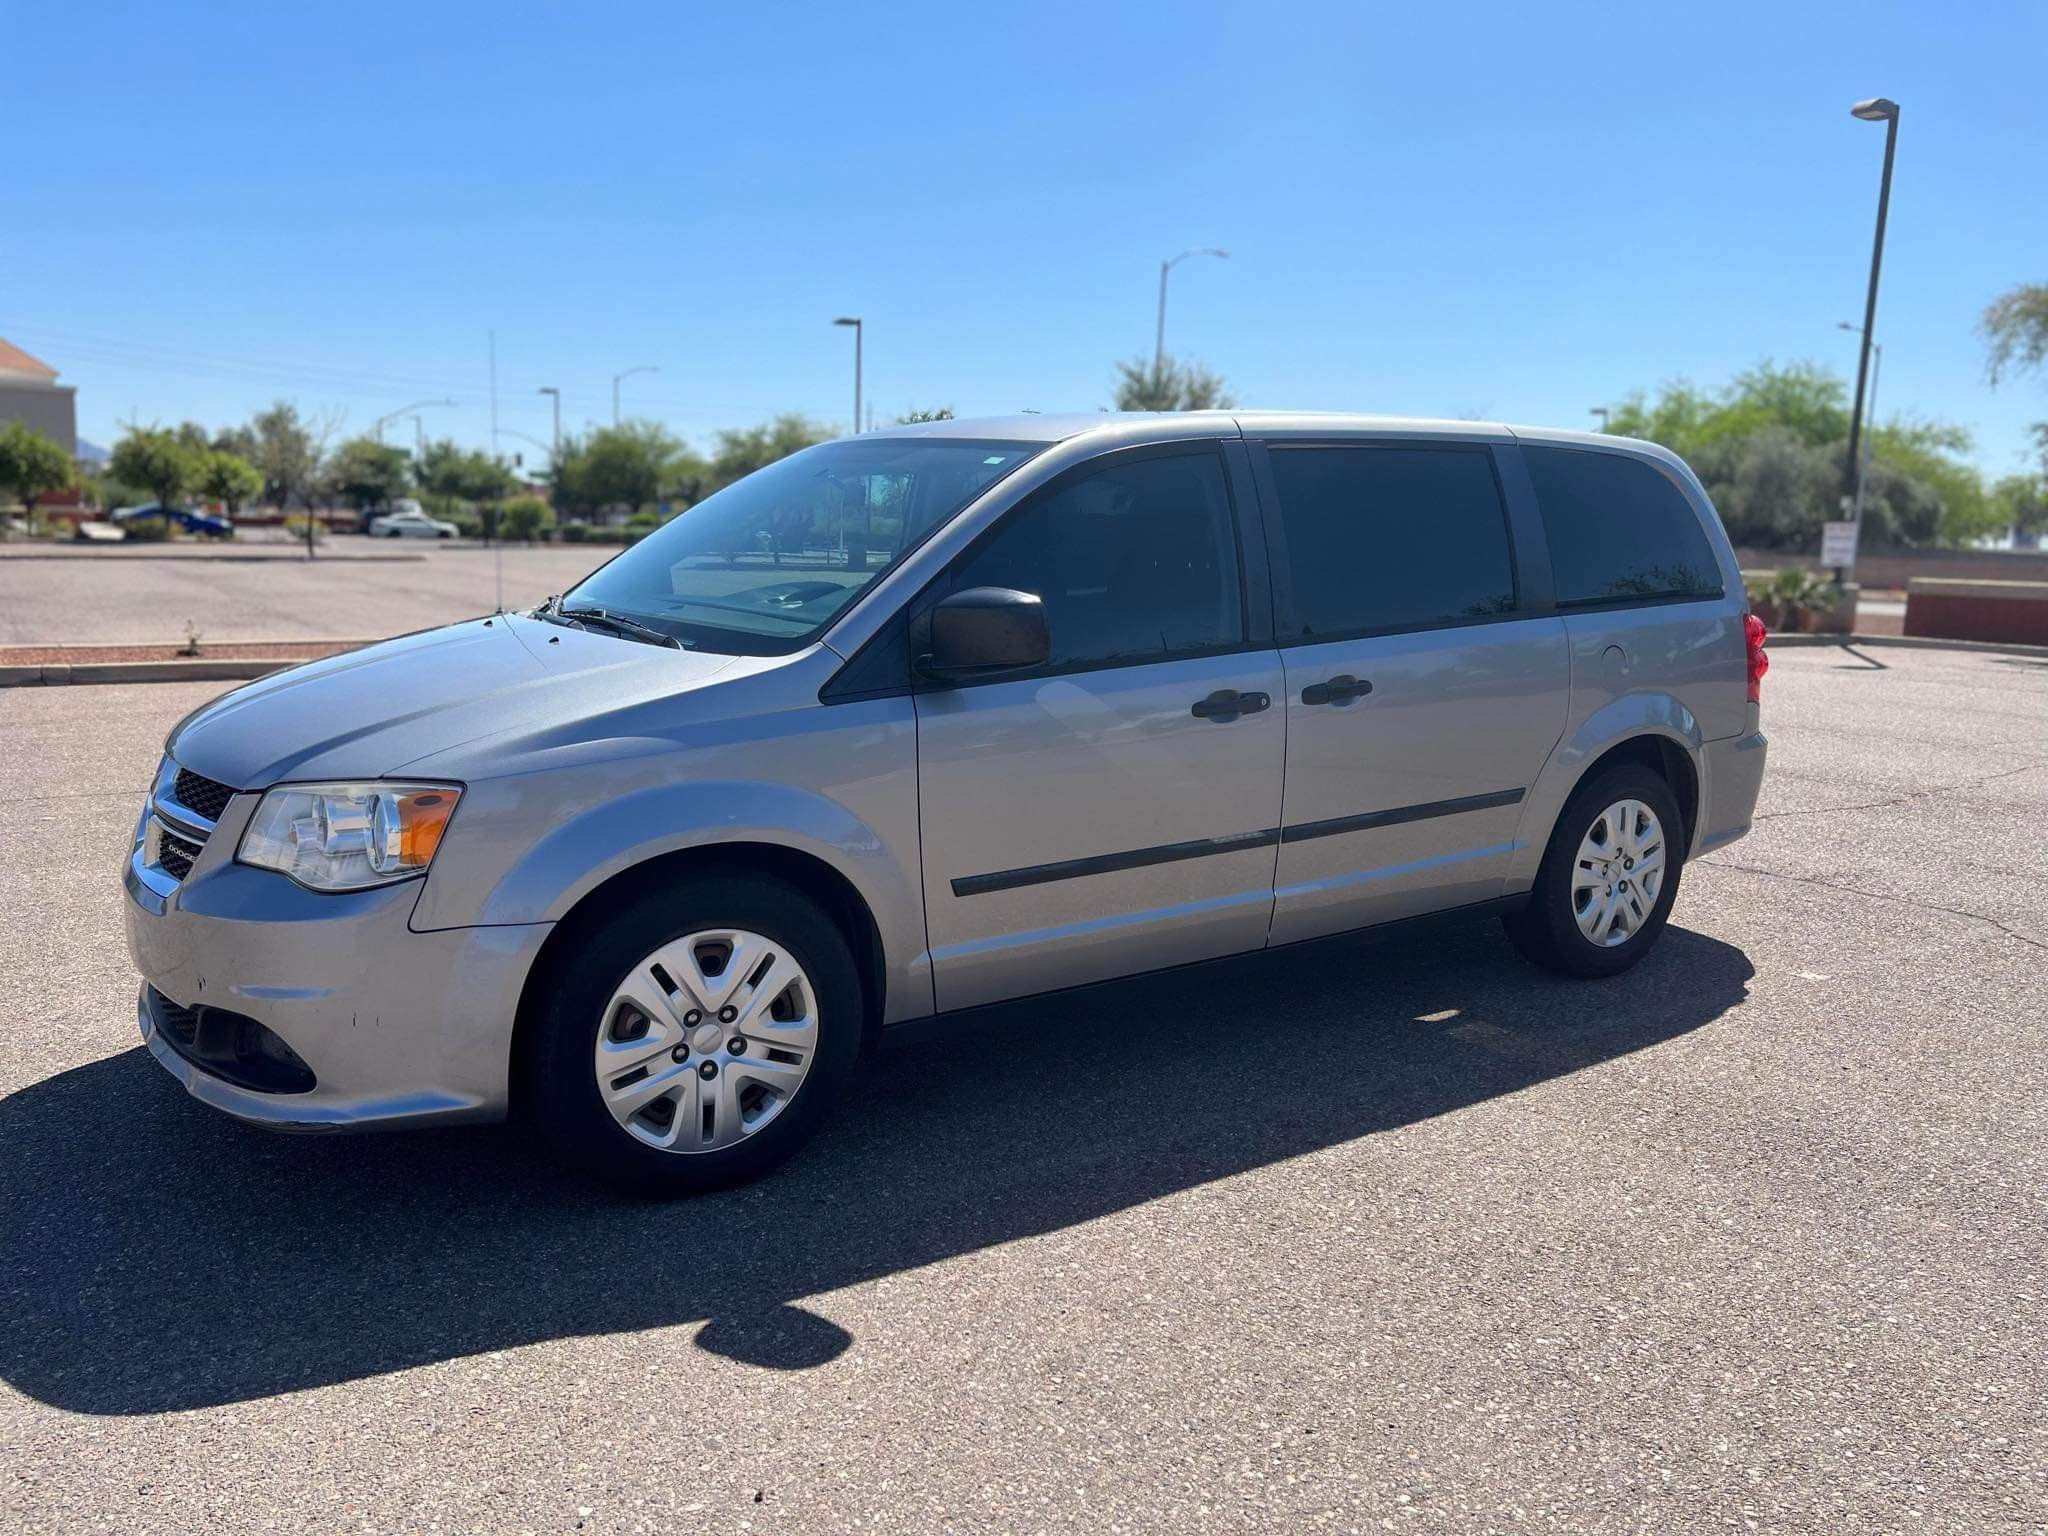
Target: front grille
<point>200,794</point>
<point>175,854</point>
<point>182,1024</point>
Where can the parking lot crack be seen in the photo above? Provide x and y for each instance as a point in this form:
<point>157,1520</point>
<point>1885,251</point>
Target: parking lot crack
<point>1907,798</point>
<point>1857,890</point>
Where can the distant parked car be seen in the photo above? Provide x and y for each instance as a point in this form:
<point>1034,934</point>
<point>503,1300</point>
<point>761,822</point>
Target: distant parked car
<point>409,523</point>
<point>205,524</point>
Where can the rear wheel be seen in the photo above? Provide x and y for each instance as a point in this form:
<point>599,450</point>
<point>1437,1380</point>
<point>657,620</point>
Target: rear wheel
<point>1608,877</point>
<point>699,1038</point>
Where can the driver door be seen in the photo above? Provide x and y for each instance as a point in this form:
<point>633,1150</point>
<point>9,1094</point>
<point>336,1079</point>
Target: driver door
<point>1117,809</point>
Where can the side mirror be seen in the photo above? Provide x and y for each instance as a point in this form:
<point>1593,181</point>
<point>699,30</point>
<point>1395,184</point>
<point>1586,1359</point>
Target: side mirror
<point>980,632</point>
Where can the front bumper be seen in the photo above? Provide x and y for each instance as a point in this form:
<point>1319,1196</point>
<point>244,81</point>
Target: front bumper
<point>398,1028</point>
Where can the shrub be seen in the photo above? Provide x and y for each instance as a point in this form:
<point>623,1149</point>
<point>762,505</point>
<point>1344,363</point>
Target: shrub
<point>1794,598</point>
<point>526,517</point>
<point>147,530</point>
<point>574,533</point>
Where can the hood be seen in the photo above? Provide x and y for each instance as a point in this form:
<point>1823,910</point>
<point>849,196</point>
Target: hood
<point>370,712</point>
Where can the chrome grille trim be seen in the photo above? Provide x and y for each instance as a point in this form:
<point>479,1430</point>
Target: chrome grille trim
<point>173,835</point>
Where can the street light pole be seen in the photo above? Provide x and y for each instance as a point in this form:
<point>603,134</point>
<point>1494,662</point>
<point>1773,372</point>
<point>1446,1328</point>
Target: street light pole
<point>377,426</point>
<point>1876,110</point>
<point>855,322</point>
<point>556,455</point>
<point>1603,413</point>
<point>1159,336</point>
<point>643,368</point>
<point>1863,462</point>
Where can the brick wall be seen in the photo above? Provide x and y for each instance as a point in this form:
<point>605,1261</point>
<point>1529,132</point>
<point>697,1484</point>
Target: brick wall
<point>1894,568</point>
<point>2015,612</point>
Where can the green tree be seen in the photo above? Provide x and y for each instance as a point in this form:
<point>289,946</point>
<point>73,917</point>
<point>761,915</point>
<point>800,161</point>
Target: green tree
<point>367,473</point>
<point>2015,327</point>
<point>1771,447</point>
<point>525,516</point>
<point>31,466</point>
<point>913,417</point>
<point>286,449</point>
<point>230,479</point>
<point>1170,386</point>
<point>159,461</point>
<point>463,474</point>
<point>628,467</point>
<point>739,453</point>
<point>2021,504</point>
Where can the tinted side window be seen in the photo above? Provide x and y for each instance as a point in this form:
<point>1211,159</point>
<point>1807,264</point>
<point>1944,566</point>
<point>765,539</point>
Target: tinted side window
<point>1393,538</point>
<point>1618,528</point>
<point>1133,562</point>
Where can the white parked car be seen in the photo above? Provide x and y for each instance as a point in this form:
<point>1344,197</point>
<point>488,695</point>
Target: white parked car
<point>409,521</point>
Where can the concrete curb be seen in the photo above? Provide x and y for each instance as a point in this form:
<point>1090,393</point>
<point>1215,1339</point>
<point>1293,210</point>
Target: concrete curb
<point>193,670</point>
<point>1907,642</point>
<point>106,552</point>
<point>269,642</point>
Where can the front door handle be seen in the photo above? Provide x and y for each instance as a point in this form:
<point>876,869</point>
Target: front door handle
<point>1228,704</point>
<point>1341,689</point>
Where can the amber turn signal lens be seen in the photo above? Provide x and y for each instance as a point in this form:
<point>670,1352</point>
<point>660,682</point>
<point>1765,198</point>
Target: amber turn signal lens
<point>422,818</point>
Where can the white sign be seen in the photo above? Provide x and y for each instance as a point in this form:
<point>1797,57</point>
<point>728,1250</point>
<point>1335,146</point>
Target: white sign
<point>1838,544</point>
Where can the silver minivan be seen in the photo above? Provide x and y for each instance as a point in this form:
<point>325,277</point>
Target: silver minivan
<point>923,720</point>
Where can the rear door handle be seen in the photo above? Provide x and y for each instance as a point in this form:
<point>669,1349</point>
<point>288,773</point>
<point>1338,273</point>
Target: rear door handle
<point>1341,689</point>
<point>1228,704</point>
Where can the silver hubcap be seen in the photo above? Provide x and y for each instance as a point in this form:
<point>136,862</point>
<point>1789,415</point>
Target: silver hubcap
<point>706,1040</point>
<point>1619,873</point>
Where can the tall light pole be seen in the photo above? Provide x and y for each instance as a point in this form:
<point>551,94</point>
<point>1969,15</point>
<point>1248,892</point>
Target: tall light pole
<point>643,368</point>
<point>377,426</point>
<point>1603,413</point>
<point>549,389</point>
<point>1159,337</point>
<point>855,322</point>
<point>1876,110</point>
<point>1863,464</point>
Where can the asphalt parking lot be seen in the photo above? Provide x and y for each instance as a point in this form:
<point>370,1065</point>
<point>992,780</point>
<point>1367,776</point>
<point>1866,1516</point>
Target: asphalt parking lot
<point>1356,1237</point>
<point>362,589</point>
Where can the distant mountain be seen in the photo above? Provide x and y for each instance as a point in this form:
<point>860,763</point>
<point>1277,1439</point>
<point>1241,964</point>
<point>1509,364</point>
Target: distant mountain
<point>92,453</point>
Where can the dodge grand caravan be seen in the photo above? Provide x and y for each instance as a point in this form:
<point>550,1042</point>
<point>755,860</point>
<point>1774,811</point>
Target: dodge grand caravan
<point>920,720</point>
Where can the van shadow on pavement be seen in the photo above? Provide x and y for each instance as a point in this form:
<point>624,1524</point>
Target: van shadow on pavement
<point>158,1256</point>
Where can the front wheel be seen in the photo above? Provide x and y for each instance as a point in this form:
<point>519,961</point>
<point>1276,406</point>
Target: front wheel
<point>1608,877</point>
<point>697,1039</point>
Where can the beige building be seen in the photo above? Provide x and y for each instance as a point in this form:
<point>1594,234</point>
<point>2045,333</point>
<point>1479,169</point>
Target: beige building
<point>29,392</point>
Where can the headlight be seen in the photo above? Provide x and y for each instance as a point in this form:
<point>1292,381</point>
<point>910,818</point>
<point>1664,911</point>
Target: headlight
<point>344,837</point>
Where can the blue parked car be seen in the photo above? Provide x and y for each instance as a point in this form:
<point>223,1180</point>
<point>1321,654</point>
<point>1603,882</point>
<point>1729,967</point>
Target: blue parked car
<point>204,524</point>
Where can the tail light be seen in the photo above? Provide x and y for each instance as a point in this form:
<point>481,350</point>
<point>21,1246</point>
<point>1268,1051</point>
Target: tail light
<point>1759,661</point>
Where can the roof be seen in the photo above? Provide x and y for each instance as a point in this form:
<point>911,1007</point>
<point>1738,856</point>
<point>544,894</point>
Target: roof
<point>14,360</point>
<point>1031,427</point>
<point>1114,428</point>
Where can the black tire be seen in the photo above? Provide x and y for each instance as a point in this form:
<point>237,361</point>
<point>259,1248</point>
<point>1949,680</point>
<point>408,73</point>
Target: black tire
<point>1547,929</point>
<point>561,1088</point>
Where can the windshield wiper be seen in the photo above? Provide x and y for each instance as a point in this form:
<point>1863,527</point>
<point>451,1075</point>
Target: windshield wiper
<point>632,629</point>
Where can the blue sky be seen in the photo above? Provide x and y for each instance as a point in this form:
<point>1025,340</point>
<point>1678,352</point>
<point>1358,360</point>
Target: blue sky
<point>1515,212</point>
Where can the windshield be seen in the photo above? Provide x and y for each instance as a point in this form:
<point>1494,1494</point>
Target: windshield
<point>762,566</point>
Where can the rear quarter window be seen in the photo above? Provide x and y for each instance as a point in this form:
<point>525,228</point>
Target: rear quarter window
<point>1619,529</point>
